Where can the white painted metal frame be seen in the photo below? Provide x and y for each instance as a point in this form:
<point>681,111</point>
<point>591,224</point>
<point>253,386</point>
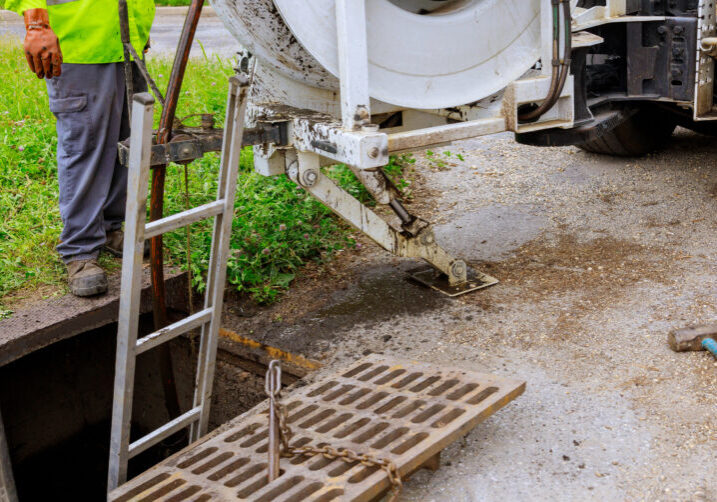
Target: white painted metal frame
<point>351,140</point>
<point>208,319</point>
<point>353,63</point>
<point>599,14</point>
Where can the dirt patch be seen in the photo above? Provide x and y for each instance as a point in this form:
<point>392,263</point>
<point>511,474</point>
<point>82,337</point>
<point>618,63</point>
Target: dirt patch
<point>604,266</point>
<point>24,298</point>
<point>590,275</point>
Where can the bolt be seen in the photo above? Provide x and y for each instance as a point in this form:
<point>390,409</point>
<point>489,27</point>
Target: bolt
<point>309,177</point>
<point>427,238</point>
<point>679,30</point>
<point>373,153</point>
<point>458,268</point>
<point>362,112</point>
<point>207,121</point>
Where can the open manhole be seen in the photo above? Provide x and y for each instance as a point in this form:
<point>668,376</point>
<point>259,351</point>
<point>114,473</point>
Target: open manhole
<point>56,406</point>
<point>406,412</point>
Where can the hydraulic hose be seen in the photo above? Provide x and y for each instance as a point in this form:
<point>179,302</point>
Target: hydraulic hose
<point>561,67</point>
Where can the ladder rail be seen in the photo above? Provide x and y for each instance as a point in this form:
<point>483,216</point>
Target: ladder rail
<point>216,276</point>
<point>138,177</point>
<point>136,232</point>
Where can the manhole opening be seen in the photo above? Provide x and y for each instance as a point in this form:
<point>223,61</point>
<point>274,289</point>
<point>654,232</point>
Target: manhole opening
<point>57,402</point>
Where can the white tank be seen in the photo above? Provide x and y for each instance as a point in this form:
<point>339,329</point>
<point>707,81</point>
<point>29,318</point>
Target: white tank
<point>423,54</point>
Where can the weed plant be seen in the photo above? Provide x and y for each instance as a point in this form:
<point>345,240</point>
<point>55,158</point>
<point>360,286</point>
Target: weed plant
<point>277,227</point>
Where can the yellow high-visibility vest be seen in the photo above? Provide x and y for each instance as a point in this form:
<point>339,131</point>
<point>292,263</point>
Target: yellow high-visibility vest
<point>89,30</point>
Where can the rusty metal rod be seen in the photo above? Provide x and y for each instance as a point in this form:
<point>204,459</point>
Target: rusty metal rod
<point>127,64</point>
<point>158,174</point>
<point>157,200</point>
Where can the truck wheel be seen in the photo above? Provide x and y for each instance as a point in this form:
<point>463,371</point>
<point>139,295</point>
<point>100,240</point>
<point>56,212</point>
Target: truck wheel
<point>644,132</point>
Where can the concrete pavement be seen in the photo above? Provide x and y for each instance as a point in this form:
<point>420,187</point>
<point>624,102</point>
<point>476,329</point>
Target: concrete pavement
<point>599,258</point>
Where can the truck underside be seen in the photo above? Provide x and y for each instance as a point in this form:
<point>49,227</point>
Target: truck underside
<point>635,87</point>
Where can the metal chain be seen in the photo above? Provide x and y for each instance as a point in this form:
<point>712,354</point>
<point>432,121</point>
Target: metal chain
<point>349,456</point>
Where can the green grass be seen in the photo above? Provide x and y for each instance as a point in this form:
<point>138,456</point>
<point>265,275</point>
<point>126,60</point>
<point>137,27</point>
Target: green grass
<point>277,227</point>
<point>171,2</point>
<point>157,2</point>
<point>31,223</point>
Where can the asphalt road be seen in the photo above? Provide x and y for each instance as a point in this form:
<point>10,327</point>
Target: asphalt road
<point>211,34</point>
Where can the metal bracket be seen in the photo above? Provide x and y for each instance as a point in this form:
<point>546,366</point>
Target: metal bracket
<point>316,132</point>
<point>204,141</point>
<point>304,168</point>
<point>594,16</point>
<point>475,280</point>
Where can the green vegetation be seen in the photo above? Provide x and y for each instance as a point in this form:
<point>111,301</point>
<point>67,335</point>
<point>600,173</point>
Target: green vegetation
<point>157,2</point>
<point>171,2</point>
<point>277,227</point>
<point>31,223</point>
<point>442,161</point>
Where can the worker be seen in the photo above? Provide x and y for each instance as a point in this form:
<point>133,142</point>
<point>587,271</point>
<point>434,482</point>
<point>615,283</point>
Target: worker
<point>75,46</point>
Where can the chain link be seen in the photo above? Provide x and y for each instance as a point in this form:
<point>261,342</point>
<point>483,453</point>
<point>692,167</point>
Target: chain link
<point>349,456</point>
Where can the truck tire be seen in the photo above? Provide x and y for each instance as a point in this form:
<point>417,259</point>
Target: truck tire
<point>645,131</point>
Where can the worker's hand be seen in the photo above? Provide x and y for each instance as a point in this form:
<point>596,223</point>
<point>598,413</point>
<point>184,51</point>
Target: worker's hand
<point>42,49</point>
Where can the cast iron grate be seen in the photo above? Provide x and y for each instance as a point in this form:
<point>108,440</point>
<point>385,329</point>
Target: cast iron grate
<point>405,411</point>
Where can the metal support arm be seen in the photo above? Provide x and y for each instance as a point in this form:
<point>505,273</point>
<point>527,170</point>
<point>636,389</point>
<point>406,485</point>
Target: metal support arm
<point>305,171</point>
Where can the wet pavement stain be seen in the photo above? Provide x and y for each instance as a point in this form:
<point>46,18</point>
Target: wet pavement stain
<point>491,232</point>
<point>378,296</point>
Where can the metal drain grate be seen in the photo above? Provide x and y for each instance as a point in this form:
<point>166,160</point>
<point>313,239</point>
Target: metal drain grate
<point>404,411</point>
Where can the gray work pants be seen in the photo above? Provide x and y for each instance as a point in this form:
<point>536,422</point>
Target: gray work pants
<point>88,101</point>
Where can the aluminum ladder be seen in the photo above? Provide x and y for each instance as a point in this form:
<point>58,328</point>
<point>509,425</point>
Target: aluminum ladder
<point>209,318</point>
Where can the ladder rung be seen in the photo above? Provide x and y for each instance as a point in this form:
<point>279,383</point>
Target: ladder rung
<point>163,432</point>
<point>183,219</point>
<point>173,330</point>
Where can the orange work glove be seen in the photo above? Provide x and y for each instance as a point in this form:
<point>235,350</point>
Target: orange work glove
<point>42,49</point>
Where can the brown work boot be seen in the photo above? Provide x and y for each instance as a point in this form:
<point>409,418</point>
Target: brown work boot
<point>115,244</point>
<point>86,278</point>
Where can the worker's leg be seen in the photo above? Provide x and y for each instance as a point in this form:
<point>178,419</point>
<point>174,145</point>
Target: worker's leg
<point>87,100</point>
<point>116,198</point>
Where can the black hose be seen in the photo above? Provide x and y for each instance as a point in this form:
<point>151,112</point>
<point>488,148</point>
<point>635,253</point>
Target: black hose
<point>561,68</point>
